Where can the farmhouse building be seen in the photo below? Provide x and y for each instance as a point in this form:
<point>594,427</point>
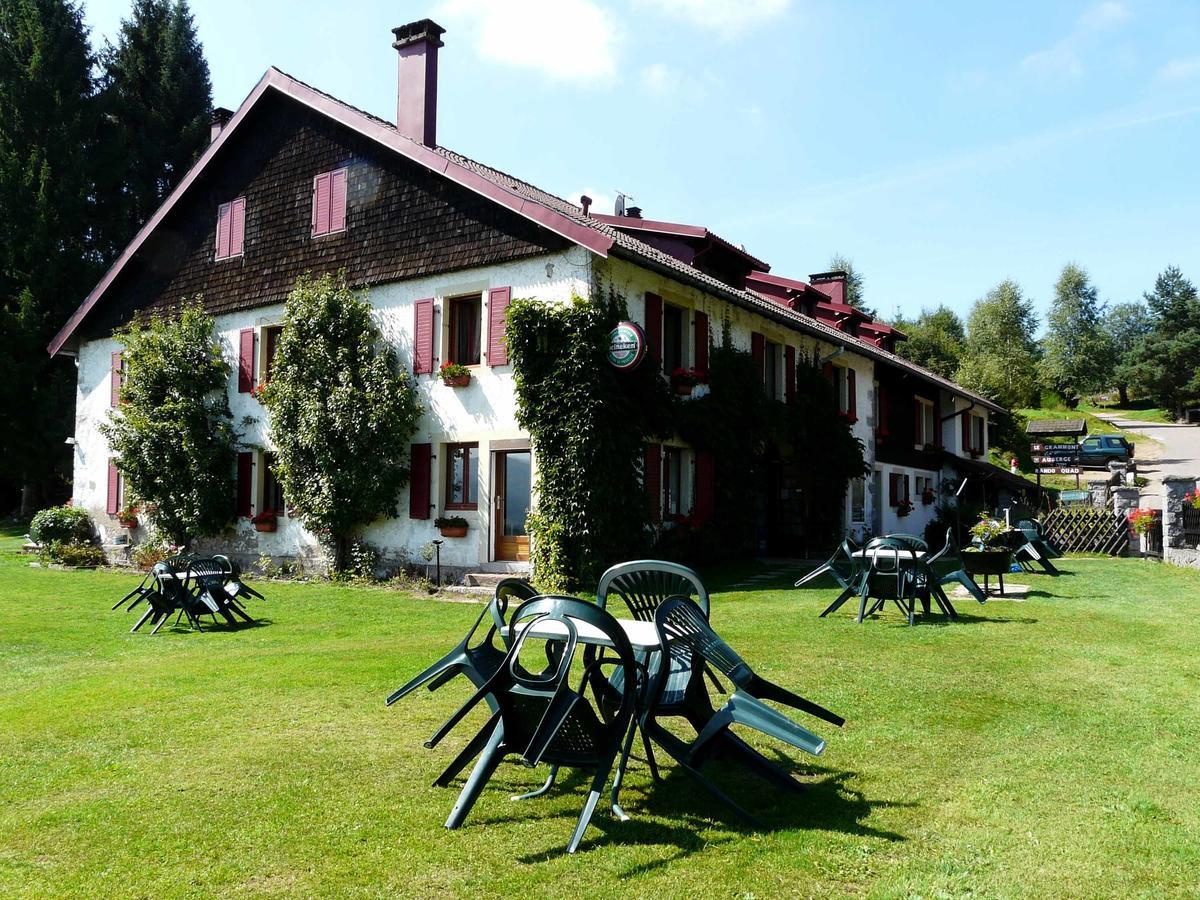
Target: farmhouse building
<point>297,181</point>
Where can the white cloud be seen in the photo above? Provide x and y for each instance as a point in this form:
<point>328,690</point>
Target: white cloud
<point>1058,62</point>
<point>1103,16</point>
<point>1180,69</point>
<point>726,16</point>
<point>659,79</point>
<point>567,40</point>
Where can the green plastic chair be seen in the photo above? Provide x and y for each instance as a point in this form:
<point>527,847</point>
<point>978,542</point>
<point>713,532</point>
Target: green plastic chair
<point>645,583</point>
<point>542,718</point>
<point>947,566</point>
<point>234,583</point>
<point>690,645</point>
<point>842,566</point>
<point>1035,533</point>
<point>917,543</point>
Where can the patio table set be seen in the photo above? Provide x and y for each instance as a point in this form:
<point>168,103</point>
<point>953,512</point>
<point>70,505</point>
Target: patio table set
<point>190,586</point>
<point>900,568</point>
<point>570,685</point>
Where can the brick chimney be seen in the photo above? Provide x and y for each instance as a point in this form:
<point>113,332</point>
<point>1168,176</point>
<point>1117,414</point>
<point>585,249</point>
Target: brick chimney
<point>831,284</point>
<point>220,118</point>
<point>416,94</point>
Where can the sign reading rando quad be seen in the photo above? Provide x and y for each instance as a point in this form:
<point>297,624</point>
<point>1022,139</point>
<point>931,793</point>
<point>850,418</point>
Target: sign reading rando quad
<point>626,345</point>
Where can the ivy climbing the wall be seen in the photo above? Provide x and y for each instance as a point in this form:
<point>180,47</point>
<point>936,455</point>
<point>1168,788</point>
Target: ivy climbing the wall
<point>589,423</point>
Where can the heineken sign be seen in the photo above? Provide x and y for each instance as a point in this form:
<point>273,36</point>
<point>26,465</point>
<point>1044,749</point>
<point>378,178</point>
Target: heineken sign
<point>626,346</point>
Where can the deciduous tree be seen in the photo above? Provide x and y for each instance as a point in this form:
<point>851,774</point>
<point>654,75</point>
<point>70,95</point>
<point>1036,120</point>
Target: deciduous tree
<point>1125,324</point>
<point>935,340</point>
<point>342,413</point>
<point>1077,356</point>
<point>1000,358</point>
<point>172,434</point>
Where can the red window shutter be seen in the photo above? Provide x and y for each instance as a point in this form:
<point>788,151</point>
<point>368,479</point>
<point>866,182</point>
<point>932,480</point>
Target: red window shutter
<point>114,489</point>
<point>337,199</point>
<point>758,350</point>
<point>789,373</point>
<point>320,205</point>
<point>245,360</point>
<point>245,484</point>
<point>966,431</point>
<point>652,476</point>
<point>116,378</point>
<point>852,393</point>
<point>706,488</point>
<point>827,371</point>
<point>654,326</point>
<point>498,299</point>
<point>881,427</point>
<point>894,489</point>
<point>423,338</point>
<point>237,226</point>
<point>419,496</point>
<point>224,224</point>
<point>700,329</point>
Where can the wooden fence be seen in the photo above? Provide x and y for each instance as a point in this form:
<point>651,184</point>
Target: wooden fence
<point>1084,529</point>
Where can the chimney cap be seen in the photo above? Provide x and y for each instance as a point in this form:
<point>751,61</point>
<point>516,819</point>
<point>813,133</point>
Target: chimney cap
<point>414,32</point>
<point>221,115</point>
<point>824,277</point>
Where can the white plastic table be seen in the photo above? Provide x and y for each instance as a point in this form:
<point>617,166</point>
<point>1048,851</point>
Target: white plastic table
<point>642,635</point>
<point>888,552</point>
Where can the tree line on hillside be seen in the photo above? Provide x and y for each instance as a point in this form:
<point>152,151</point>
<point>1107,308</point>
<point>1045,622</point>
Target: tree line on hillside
<point>1150,348</point>
<point>91,142</point>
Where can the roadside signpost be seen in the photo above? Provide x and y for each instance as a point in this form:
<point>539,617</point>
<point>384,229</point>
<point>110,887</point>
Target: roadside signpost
<point>1057,459</point>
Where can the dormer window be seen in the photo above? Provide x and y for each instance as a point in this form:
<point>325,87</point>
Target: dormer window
<point>329,202</point>
<point>231,228</point>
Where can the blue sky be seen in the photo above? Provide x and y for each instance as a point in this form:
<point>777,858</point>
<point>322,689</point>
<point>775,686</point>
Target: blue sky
<point>941,147</point>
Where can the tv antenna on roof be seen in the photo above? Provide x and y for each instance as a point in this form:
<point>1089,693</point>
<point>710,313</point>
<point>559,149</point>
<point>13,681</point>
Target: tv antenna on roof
<point>619,203</point>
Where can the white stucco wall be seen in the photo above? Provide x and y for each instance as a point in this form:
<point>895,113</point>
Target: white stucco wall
<point>483,412</point>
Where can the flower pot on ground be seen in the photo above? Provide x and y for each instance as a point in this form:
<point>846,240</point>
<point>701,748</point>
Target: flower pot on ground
<point>451,526</point>
<point>265,521</point>
<point>454,375</point>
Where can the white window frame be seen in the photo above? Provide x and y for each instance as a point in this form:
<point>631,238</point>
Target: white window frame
<point>861,485</point>
<point>446,303</point>
<point>929,423</point>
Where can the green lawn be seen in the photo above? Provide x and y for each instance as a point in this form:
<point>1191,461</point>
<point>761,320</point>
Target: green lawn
<point>1137,412</point>
<point>1039,748</point>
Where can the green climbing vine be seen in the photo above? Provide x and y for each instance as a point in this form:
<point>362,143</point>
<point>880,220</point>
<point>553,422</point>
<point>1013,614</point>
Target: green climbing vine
<point>588,422</point>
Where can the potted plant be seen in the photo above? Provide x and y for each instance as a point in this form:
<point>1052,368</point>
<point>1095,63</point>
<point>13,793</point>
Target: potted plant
<point>454,374</point>
<point>683,380</point>
<point>451,526</point>
<point>928,496</point>
<point>1192,499</point>
<point>988,554</point>
<point>265,521</point>
<point>903,508</point>
<point>128,517</point>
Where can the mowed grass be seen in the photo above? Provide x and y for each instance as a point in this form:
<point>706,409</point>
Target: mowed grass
<point>1043,748</point>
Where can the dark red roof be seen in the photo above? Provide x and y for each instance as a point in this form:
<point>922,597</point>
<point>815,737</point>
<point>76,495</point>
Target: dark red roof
<point>552,212</point>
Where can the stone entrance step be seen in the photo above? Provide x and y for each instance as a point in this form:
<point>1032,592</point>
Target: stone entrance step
<point>487,580</point>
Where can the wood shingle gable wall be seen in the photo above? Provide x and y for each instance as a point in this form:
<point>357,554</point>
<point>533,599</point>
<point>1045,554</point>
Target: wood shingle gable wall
<point>401,221</point>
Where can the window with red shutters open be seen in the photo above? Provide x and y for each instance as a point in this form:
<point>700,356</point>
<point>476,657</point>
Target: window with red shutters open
<point>329,202</point>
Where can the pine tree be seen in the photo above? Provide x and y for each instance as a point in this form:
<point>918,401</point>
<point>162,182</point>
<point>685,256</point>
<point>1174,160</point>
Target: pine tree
<point>1165,364</point>
<point>158,96</point>
<point>47,133</point>
<point>1000,358</point>
<point>1077,354</point>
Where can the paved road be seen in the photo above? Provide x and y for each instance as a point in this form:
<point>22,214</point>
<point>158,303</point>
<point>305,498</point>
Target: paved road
<point>1180,453</point>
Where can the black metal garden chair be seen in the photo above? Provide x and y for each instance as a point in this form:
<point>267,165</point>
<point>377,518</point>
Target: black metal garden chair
<point>689,645</point>
<point>542,717</point>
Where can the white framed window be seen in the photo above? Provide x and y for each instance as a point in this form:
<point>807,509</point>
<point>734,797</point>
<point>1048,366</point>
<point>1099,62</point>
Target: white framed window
<point>771,366</point>
<point>925,423</point>
<point>978,433</point>
<point>858,501</point>
<point>270,491</point>
<point>463,330</point>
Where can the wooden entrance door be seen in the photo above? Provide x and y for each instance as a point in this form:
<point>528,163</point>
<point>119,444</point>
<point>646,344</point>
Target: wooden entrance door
<point>512,492</point>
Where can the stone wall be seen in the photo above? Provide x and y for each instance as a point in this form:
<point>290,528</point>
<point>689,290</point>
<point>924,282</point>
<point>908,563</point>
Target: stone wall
<point>1175,550</point>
